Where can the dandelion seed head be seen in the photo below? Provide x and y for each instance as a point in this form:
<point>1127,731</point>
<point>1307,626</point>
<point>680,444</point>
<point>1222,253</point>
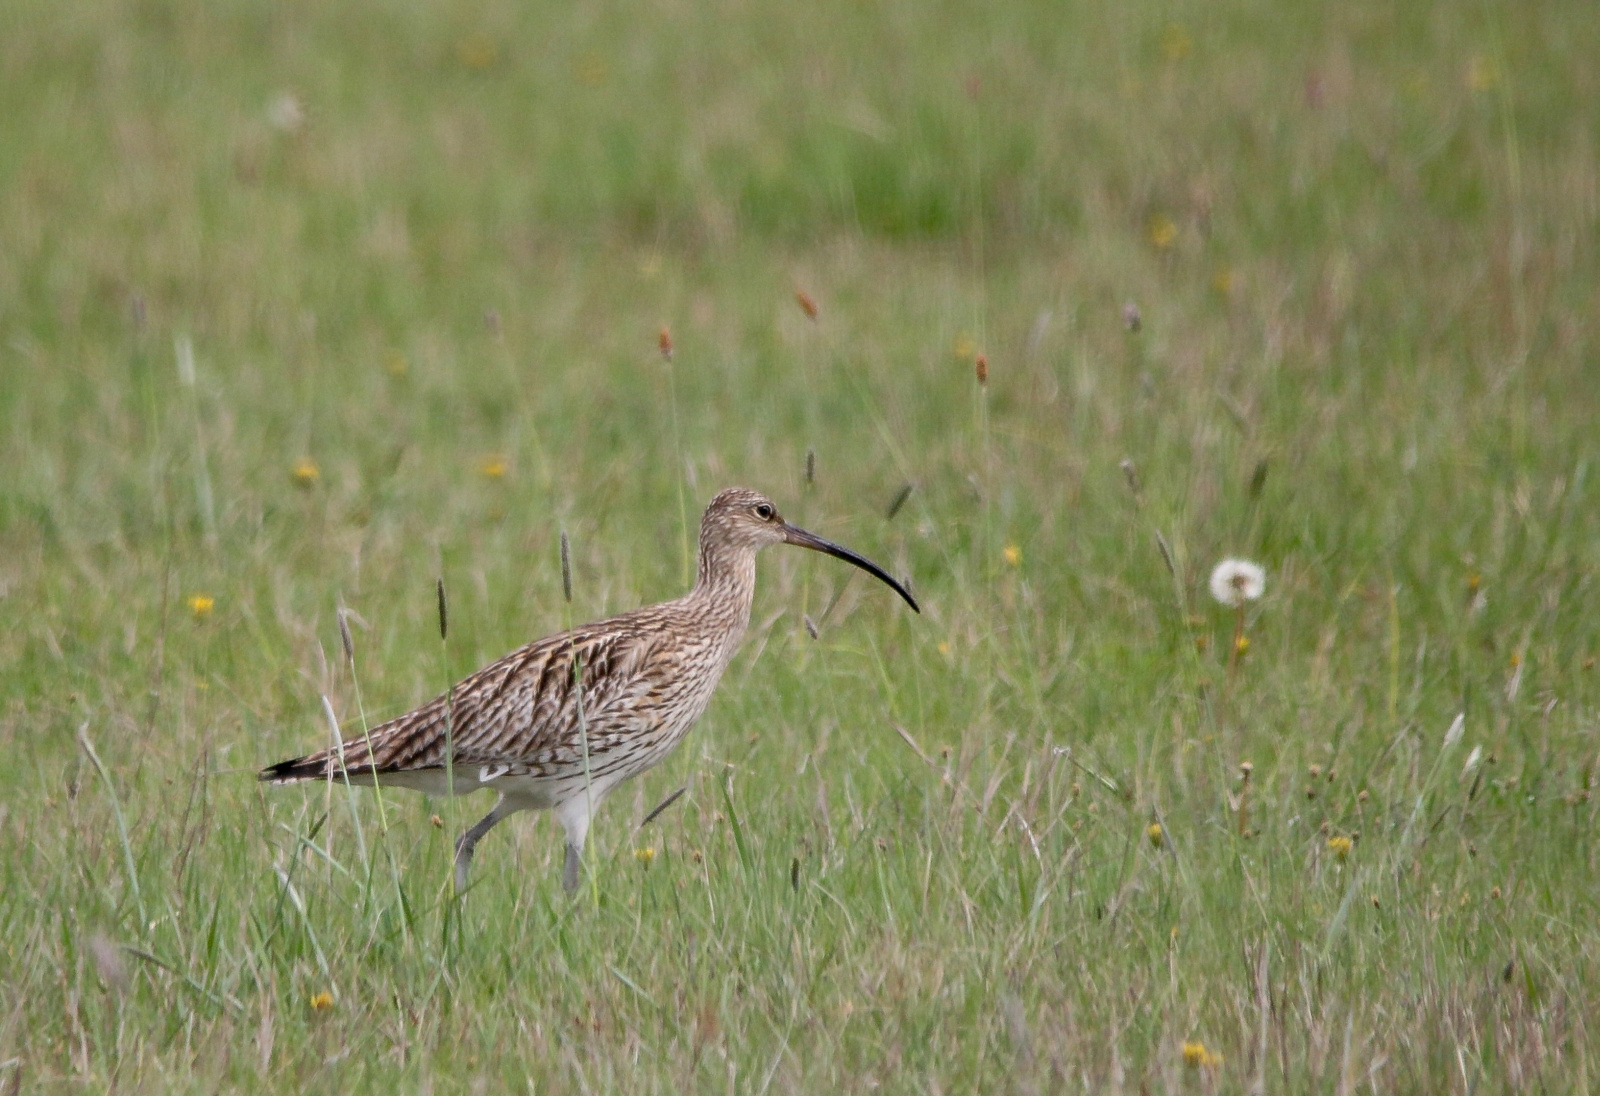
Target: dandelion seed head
<point>1236,581</point>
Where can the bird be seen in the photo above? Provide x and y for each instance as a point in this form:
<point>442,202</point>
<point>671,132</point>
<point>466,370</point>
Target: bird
<point>559,723</point>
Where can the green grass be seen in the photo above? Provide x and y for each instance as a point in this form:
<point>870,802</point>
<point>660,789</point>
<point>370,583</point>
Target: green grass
<point>1363,243</point>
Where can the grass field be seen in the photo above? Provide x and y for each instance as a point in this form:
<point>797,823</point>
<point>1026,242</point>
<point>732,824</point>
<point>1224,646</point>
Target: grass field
<point>304,307</point>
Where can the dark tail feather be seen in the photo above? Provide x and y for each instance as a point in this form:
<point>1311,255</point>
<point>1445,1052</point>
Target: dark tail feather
<point>312,767</point>
<point>315,766</point>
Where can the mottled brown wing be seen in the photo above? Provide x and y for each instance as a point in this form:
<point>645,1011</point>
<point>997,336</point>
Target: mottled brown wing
<point>518,715</point>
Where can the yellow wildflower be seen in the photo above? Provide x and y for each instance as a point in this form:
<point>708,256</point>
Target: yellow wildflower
<point>1154,833</point>
<point>1163,231</point>
<point>1242,645</point>
<point>1340,845</point>
<point>1196,1056</point>
<point>305,473</point>
<point>1012,554</point>
<point>963,347</point>
<point>477,51</point>
<point>1175,42</point>
<point>322,1002</point>
<point>1482,74</point>
<point>592,70</point>
<point>644,855</point>
<point>201,605</point>
<point>493,466</point>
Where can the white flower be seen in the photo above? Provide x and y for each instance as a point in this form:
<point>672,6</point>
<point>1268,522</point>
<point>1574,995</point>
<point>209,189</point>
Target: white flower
<point>1236,581</point>
<point>286,113</point>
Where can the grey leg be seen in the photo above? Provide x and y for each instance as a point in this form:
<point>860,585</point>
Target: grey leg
<point>573,870</point>
<point>574,818</point>
<point>469,840</point>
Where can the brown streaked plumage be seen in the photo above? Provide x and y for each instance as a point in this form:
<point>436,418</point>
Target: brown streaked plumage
<point>518,725</point>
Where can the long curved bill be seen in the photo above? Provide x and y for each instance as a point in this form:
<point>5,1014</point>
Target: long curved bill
<point>793,534</point>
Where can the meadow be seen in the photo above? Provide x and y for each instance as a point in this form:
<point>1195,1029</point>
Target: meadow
<point>305,308</point>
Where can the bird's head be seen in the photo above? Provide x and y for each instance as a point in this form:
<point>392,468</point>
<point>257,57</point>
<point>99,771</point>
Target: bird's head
<point>740,518</point>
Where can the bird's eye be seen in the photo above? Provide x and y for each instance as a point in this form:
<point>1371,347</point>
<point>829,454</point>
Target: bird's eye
<point>764,511</point>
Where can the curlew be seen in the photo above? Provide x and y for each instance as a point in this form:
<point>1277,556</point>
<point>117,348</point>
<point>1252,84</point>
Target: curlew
<point>523,726</point>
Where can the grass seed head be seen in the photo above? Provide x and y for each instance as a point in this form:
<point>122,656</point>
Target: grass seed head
<point>566,566</point>
<point>345,638</point>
